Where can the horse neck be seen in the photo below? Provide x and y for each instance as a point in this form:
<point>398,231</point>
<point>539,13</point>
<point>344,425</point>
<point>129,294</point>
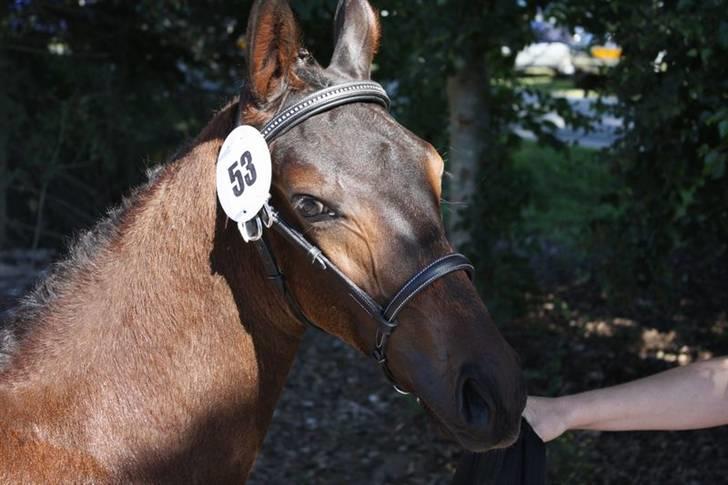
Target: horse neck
<point>170,322</point>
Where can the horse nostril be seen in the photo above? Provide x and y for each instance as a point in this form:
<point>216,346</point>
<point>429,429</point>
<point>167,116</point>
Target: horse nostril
<point>475,407</point>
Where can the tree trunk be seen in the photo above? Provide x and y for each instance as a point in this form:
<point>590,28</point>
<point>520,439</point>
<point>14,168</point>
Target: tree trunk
<point>6,115</point>
<point>467,91</point>
<point>4,186</point>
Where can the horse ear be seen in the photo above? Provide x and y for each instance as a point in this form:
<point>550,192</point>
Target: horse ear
<point>274,42</point>
<point>356,33</point>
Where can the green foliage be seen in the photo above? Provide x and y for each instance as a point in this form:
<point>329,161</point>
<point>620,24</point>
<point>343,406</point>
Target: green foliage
<point>567,193</point>
<point>101,89</point>
<point>92,93</point>
<point>426,42</point>
<point>495,213</point>
<point>672,90</point>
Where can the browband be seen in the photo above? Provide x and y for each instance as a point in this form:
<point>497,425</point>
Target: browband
<point>324,100</point>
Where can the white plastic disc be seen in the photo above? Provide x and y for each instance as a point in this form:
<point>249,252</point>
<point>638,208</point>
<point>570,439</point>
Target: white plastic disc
<point>244,173</point>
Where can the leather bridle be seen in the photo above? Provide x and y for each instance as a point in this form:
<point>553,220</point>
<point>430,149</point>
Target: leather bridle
<point>252,231</point>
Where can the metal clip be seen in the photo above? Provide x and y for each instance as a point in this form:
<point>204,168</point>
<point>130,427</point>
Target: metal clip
<point>251,230</point>
<point>267,214</point>
<point>403,392</point>
<point>317,256</point>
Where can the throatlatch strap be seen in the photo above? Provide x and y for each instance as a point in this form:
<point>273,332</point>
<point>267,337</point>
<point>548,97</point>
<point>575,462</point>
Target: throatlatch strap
<point>273,273</point>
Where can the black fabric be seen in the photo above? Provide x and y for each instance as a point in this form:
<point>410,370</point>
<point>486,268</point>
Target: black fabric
<point>524,463</point>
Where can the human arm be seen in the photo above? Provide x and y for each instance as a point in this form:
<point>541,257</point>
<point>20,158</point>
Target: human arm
<point>690,397</point>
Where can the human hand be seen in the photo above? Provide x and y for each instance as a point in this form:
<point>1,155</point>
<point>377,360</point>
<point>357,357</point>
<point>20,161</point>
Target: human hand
<point>546,416</point>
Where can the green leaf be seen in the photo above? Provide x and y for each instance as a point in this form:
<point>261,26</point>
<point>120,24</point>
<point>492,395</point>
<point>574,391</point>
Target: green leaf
<point>715,163</point>
<point>705,55</point>
<point>723,35</point>
<point>723,129</point>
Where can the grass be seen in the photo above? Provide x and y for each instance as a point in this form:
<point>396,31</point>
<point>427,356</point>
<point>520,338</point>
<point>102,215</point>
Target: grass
<point>568,189</point>
<point>553,239</point>
<point>558,85</point>
<point>548,83</point>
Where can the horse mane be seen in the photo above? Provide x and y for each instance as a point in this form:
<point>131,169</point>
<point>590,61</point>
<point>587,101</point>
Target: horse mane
<point>83,249</point>
<point>79,258</point>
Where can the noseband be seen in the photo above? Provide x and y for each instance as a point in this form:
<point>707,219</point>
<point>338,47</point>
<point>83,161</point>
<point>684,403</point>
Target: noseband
<point>252,231</point>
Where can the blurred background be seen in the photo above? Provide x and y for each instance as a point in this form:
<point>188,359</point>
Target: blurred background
<point>586,147</point>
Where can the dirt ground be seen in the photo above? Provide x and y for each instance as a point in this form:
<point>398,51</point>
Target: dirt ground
<point>339,421</point>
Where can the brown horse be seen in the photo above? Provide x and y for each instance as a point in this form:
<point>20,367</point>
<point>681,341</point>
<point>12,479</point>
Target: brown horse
<point>157,350</point>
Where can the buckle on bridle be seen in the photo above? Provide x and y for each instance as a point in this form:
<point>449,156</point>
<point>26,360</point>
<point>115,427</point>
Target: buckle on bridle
<point>252,230</point>
<point>267,214</point>
<point>317,256</point>
<point>378,355</point>
<point>384,330</point>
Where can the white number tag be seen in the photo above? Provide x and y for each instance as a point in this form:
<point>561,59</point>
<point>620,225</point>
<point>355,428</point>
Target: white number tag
<point>244,174</point>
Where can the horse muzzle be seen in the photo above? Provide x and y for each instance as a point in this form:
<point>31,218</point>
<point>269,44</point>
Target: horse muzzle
<point>476,416</point>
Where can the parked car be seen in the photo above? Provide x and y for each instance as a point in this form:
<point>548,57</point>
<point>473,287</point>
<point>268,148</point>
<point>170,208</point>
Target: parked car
<point>550,55</point>
<point>566,53</point>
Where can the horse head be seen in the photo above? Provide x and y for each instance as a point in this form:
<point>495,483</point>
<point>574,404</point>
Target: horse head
<point>367,192</point>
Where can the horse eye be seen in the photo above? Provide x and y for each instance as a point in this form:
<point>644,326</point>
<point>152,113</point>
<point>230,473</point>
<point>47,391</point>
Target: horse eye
<point>311,208</point>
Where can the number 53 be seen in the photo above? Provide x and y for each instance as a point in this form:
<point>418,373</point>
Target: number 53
<point>236,177</point>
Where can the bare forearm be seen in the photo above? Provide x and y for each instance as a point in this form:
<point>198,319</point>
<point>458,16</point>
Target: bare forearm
<point>695,396</point>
